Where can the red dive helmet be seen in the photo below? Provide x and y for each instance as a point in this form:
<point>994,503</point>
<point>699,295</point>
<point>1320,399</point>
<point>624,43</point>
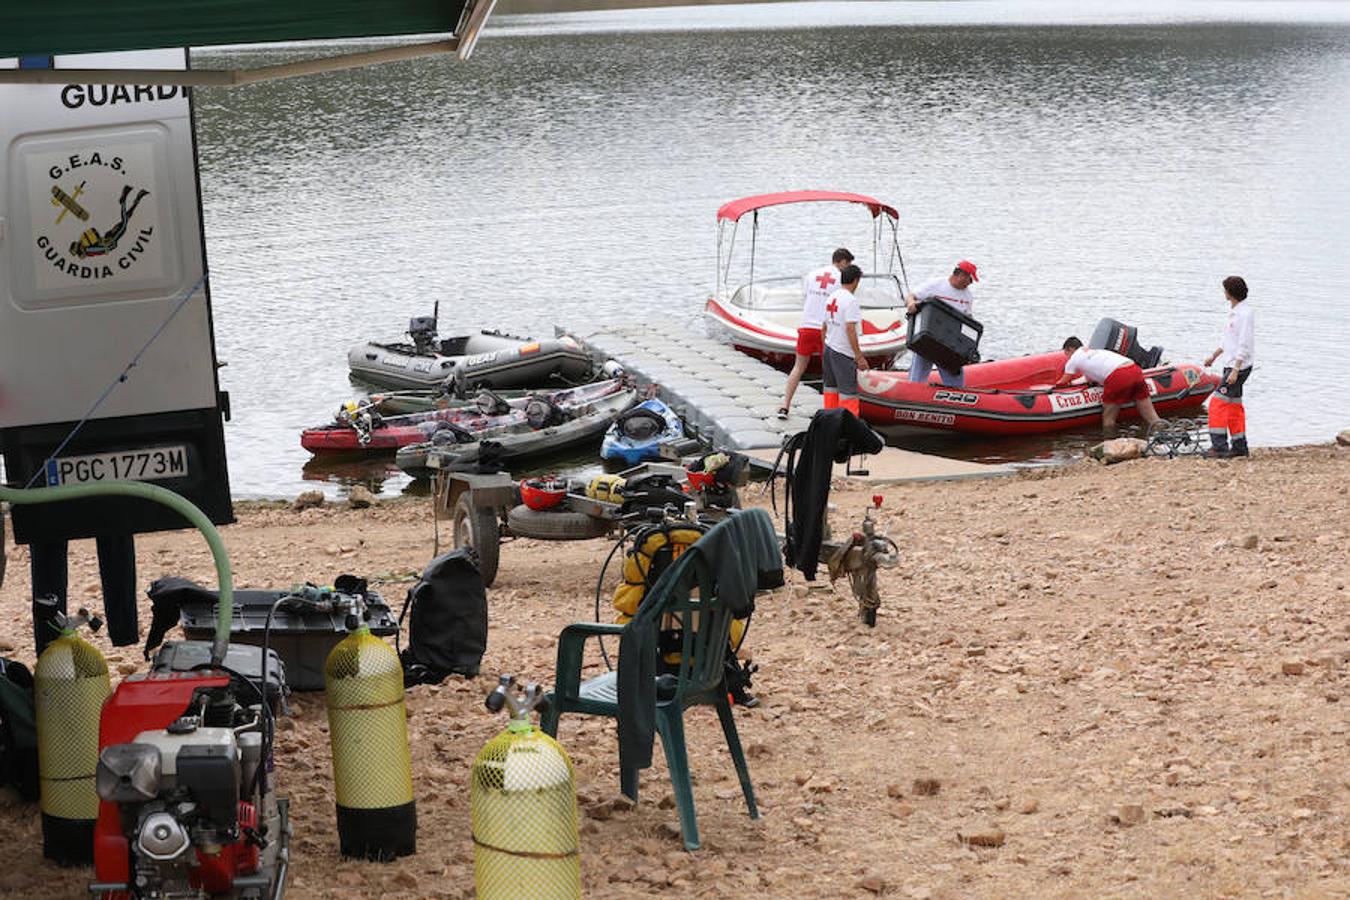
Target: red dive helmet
<point>543,493</point>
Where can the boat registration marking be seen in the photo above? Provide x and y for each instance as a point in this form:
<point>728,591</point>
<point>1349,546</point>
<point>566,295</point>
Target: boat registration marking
<point>151,464</point>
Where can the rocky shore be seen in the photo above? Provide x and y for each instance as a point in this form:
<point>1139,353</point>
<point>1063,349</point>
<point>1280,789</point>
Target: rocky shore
<point>1124,681</point>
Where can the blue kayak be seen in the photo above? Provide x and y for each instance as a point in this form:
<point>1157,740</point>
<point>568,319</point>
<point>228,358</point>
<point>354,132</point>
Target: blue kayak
<point>639,433</point>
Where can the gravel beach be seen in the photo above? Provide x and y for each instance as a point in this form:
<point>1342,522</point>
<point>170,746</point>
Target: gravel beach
<point>1111,681</point>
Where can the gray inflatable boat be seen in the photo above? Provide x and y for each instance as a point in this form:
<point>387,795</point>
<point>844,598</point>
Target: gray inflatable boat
<point>465,363</point>
<point>553,422</point>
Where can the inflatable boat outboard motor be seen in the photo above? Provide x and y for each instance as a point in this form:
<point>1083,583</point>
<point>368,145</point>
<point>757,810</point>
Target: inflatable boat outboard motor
<point>422,330</point>
<point>1124,339</point>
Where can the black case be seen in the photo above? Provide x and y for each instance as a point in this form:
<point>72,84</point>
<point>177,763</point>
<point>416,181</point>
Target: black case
<point>301,637</point>
<point>944,335</point>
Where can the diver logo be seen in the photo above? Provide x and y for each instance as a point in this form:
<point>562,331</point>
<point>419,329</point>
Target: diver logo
<point>95,233</point>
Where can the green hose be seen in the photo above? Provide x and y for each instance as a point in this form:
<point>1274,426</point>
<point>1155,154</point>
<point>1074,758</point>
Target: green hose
<point>155,494</point>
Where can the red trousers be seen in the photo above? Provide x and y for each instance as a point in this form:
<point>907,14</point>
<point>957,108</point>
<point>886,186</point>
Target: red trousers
<point>832,402</point>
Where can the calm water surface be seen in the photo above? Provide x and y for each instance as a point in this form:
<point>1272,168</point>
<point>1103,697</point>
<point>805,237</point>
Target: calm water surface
<point>1093,162</point>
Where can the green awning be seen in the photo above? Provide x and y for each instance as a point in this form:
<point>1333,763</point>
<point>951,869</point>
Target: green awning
<point>97,26</point>
<point>93,26</point>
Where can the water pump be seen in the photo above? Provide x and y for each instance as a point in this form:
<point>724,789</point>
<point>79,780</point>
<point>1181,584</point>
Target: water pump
<point>189,809</point>
<point>859,558</point>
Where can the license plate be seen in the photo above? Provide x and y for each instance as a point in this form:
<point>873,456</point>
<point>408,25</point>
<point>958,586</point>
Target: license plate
<point>153,464</point>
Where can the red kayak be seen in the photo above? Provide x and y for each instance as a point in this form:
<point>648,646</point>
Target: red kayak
<point>1014,396</point>
<point>359,429</point>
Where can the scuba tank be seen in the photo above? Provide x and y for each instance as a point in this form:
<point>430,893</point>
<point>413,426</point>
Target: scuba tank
<point>608,488</point>
<point>70,683</point>
<point>524,801</point>
<point>372,763</point>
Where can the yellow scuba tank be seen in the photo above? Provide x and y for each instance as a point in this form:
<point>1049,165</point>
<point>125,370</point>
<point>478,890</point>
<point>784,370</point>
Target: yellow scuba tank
<point>608,488</point>
<point>372,763</point>
<point>70,683</point>
<point>524,801</point>
<point>637,566</point>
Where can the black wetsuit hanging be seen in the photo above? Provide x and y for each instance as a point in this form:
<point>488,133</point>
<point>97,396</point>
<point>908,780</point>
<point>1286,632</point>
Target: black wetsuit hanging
<point>833,436</point>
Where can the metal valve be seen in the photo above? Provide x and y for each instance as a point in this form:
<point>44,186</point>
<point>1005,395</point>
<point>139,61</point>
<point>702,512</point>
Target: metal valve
<point>519,705</point>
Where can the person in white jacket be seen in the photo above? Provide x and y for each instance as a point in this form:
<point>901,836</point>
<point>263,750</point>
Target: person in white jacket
<point>1227,418</point>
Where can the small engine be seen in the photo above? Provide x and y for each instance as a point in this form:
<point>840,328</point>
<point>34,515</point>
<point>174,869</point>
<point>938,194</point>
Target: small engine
<point>422,329</point>
<point>188,810</point>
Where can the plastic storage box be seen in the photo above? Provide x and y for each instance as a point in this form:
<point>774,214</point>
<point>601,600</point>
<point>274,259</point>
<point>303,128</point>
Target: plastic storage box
<point>944,335</point>
<point>302,637</point>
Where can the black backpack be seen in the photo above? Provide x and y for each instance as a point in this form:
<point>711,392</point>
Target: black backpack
<point>18,730</point>
<point>447,632</point>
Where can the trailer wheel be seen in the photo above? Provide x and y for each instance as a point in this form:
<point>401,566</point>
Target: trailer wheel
<point>477,527</point>
<point>555,525</point>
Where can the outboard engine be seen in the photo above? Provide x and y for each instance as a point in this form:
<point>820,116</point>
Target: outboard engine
<point>422,329</point>
<point>1124,339</point>
<point>188,810</point>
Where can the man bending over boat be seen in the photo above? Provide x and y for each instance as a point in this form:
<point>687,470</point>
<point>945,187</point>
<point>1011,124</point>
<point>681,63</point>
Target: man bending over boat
<point>843,356</point>
<point>1121,380</point>
<point>954,290</point>
<point>818,287</point>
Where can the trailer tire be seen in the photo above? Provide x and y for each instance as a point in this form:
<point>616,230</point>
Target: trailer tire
<point>555,525</point>
<point>478,528</point>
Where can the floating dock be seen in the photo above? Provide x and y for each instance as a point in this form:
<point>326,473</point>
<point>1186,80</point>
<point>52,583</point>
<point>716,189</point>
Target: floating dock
<point>730,400</point>
<point>725,397</point>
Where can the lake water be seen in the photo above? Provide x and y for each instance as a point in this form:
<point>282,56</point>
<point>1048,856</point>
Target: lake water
<point>1092,161</point>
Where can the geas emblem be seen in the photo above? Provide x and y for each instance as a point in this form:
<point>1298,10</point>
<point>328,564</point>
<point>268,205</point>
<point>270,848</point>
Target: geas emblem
<point>99,227</point>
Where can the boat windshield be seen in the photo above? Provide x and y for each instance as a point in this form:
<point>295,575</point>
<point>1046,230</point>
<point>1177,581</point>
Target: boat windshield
<point>769,294</point>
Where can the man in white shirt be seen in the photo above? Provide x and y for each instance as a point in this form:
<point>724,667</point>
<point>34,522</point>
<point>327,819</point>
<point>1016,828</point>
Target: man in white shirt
<point>953,290</point>
<point>1227,417</point>
<point>1121,380</point>
<point>843,356</point>
<point>818,286</point>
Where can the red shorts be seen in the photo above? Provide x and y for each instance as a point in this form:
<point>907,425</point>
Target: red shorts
<point>808,342</point>
<point>1125,385</point>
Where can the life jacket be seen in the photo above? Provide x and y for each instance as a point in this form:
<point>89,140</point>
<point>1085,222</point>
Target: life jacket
<point>654,549</point>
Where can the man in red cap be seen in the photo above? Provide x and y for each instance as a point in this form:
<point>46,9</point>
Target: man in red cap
<point>955,291</point>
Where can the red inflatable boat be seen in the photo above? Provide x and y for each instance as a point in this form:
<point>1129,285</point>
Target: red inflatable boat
<point>1014,396</point>
<point>359,430</point>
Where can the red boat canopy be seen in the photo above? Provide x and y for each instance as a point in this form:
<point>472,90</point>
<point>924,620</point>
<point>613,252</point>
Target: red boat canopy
<point>737,208</point>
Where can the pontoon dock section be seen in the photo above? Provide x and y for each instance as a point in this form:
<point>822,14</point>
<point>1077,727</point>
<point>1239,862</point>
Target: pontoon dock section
<point>726,397</point>
<point>731,400</point>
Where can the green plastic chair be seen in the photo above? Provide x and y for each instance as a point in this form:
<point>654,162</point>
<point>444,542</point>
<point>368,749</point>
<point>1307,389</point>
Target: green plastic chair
<point>685,592</point>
